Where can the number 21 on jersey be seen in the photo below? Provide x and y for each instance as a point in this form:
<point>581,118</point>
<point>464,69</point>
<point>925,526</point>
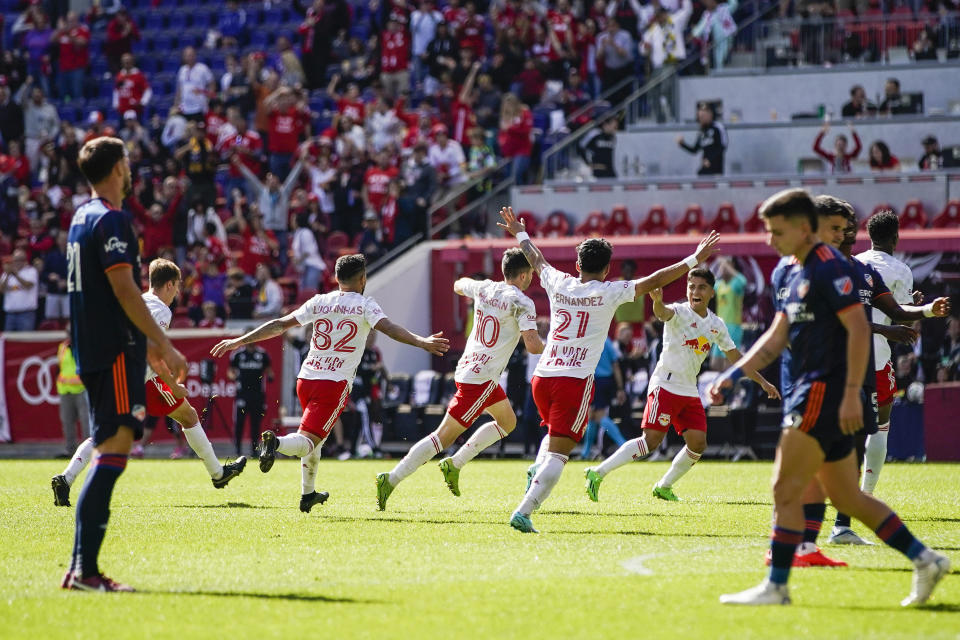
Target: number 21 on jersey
<point>73,267</point>
<point>565,318</point>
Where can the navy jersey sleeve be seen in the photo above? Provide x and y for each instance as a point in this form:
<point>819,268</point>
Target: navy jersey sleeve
<point>777,284</point>
<point>877,284</point>
<point>835,282</point>
<point>116,244</point>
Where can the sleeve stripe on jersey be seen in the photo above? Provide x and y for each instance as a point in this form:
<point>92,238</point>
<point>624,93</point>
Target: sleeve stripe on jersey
<point>824,253</point>
<point>119,265</point>
<point>848,308</point>
<point>885,293</point>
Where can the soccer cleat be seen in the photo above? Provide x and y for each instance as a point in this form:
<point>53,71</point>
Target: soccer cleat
<point>925,578</point>
<point>531,471</point>
<point>451,475</point>
<point>812,559</point>
<point>230,471</point>
<point>179,452</point>
<point>764,593</point>
<point>136,451</point>
<point>522,523</point>
<point>97,583</point>
<point>307,501</point>
<point>268,450</point>
<point>61,491</point>
<point>67,578</point>
<point>384,489</point>
<point>665,493</point>
<point>593,483</point>
<point>846,535</point>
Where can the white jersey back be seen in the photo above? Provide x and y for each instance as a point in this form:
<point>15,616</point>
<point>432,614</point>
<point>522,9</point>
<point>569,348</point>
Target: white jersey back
<point>899,279</point>
<point>341,321</point>
<point>687,340</point>
<point>580,316</point>
<point>501,312</point>
<point>161,315</point>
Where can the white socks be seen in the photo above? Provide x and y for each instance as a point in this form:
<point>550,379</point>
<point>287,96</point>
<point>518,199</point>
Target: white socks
<point>874,458</point>
<point>480,440</point>
<point>682,463</point>
<point>308,470</point>
<point>200,443</point>
<point>543,483</point>
<point>80,459</point>
<point>543,451</point>
<point>629,451</point>
<point>418,455</point>
<point>295,444</point>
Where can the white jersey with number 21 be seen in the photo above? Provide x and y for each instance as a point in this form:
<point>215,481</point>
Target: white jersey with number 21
<point>341,321</point>
<point>580,316</point>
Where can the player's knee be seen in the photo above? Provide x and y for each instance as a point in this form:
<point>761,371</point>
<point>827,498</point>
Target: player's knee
<point>787,490</point>
<point>697,444</point>
<point>508,423</point>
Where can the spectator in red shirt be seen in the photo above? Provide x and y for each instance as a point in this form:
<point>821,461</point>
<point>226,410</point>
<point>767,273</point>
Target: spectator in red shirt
<point>259,245</point>
<point>40,242</point>
<point>97,129</point>
<point>839,160</point>
<point>289,121</point>
<point>461,111</point>
<point>73,39</point>
<point>348,103</point>
<point>881,159</point>
<point>215,121</point>
<point>156,224</point>
<point>516,124</point>
<point>210,318</point>
<point>471,32</point>
<point>15,164</point>
<point>532,82</point>
<point>454,15</point>
<point>121,34</point>
<point>247,145</point>
<point>376,181</point>
<point>131,91</point>
<point>395,59</point>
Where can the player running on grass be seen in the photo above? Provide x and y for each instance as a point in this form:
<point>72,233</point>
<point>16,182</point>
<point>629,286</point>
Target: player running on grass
<point>341,321</point>
<point>690,330</point>
<point>820,315</point>
<point>503,315</point>
<point>581,311</point>
<point>165,396</point>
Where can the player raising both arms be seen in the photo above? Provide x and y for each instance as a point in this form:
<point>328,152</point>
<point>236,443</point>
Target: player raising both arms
<point>690,329</point>
<point>341,321</point>
<point>581,310</point>
<point>165,396</point>
<point>503,315</point>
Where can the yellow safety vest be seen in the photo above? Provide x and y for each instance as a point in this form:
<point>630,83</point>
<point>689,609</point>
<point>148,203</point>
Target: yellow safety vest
<point>67,380</point>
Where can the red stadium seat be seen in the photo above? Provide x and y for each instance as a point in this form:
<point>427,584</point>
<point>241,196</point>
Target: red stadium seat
<point>754,224</point>
<point>883,206</point>
<point>303,295</point>
<point>181,323</point>
<point>556,226</point>
<point>50,325</point>
<point>336,241</point>
<point>619,224</point>
<point>913,216</point>
<point>656,222</point>
<point>594,225</point>
<point>692,221</point>
<point>726,220</point>
<point>950,217</point>
<point>529,221</point>
<point>289,287</point>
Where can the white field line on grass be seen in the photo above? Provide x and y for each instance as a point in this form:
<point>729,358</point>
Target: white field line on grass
<point>636,564</point>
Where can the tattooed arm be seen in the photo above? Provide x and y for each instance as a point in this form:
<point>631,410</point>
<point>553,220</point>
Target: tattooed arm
<point>512,224</point>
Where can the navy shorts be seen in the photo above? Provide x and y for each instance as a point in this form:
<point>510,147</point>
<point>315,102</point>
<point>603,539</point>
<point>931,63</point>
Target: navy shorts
<point>814,411</point>
<point>118,397</point>
<point>605,389</point>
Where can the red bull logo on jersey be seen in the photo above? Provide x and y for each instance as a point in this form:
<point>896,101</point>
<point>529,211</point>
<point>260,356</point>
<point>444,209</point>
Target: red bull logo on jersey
<point>698,344</point>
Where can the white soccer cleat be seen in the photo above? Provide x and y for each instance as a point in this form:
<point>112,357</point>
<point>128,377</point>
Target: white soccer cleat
<point>846,535</point>
<point>926,577</point>
<point>764,593</point>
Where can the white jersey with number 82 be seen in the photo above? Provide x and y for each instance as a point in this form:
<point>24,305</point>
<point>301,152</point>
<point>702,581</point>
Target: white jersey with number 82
<point>341,321</point>
<point>580,316</point>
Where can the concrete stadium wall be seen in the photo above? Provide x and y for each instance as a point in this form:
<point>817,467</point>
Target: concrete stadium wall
<point>755,94</point>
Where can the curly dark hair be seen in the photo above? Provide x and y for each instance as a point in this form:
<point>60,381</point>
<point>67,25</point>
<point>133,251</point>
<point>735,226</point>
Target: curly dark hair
<point>514,263</point>
<point>350,267</point>
<point>884,228</point>
<point>594,255</point>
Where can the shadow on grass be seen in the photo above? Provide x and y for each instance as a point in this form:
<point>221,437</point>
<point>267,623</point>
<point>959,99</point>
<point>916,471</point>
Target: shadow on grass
<point>615,515</point>
<point>301,597</point>
<point>946,607</point>
<point>410,520</point>
<point>933,519</point>
<point>611,532</point>
<point>759,503</point>
<point>230,505</point>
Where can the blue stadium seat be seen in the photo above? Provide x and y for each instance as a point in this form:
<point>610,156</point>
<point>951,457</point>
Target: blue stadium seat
<point>67,112</point>
<point>260,39</point>
<point>155,20</point>
<point>147,64</point>
<point>161,44</point>
<point>179,20</point>
<point>274,16</point>
<point>139,47</point>
<point>98,66</point>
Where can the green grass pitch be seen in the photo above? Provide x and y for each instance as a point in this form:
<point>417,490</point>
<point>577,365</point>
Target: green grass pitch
<point>243,562</point>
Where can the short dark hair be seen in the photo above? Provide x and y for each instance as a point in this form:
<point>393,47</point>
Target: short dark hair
<point>594,255</point>
<point>702,272</point>
<point>883,227</point>
<point>831,206</point>
<point>791,203</point>
<point>349,267</point>
<point>163,271</point>
<point>514,263</point>
<point>98,157</point>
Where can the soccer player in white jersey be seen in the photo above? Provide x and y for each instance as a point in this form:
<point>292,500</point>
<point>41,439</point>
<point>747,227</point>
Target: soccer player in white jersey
<point>165,396</point>
<point>884,230</point>
<point>581,310</point>
<point>690,330</point>
<point>503,314</point>
<point>341,320</point>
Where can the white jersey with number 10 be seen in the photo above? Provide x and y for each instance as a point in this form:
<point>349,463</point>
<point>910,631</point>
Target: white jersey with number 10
<point>341,321</point>
<point>501,312</point>
<point>580,316</point>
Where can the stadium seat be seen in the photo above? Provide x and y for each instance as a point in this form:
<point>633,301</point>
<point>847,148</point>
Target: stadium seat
<point>49,325</point>
<point>754,224</point>
<point>692,221</point>
<point>656,222</point>
<point>303,295</point>
<point>556,226</point>
<point>913,216</point>
<point>181,323</point>
<point>336,241</point>
<point>883,206</point>
<point>398,390</point>
<point>289,286</point>
<point>619,224</point>
<point>950,217</point>
<point>449,387</point>
<point>427,386</point>
<point>726,220</point>
<point>594,225</point>
<point>529,221</point>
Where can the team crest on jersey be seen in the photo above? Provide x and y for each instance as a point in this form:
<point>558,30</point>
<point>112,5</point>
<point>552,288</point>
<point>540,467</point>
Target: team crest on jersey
<point>792,420</point>
<point>869,279</point>
<point>802,289</point>
<point>664,419</point>
<point>844,285</point>
<point>139,412</point>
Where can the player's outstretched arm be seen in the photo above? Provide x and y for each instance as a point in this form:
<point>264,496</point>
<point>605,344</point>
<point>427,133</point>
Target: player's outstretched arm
<point>854,320</point>
<point>435,344</point>
<point>515,226</point>
<point>663,277</point>
<point>159,346</point>
<point>662,311</point>
<point>767,348</point>
<point>532,341</point>
<point>895,332</point>
<point>768,387</point>
<point>267,330</point>
<point>939,308</point>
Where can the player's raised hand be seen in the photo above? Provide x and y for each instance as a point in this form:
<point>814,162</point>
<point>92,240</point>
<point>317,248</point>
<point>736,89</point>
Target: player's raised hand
<point>224,346</point>
<point>941,307</point>
<point>436,344</point>
<point>510,221</point>
<point>770,390</point>
<point>851,412</point>
<point>707,246</point>
<point>656,295</point>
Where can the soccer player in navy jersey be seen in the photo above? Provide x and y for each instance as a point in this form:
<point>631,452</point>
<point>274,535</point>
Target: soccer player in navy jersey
<point>820,315</point>
<point>113,336</point>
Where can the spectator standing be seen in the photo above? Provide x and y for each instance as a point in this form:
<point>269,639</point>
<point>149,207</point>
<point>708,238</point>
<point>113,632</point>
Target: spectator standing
<point>730,287</point>
<point>199,163</point>
<point>664,47</point>
<point>597,148</point>
<point>195,86</point>
<point>15,164</point>
<point>375,182</point>
<point>122,32</point>
<point>394,59</point>
<point>11,114</point>
<point>840,159</point>
<point>323,20</point>
<point>858,106</point>
<point>306,254</point>
<point>289,121</point>
<point>420,180</point>
<point>269,300</point>
<point>232,25</point>
<point>132,91</point>
<point>383,126</point>
<point>20,293</point>
<point>73,405</point>
<point>54,276</point>
<point>632,312</point>
<point>717,26</point>
<point>239,294</point>
<point>711,140</point>
<point>40,119</point>
<point>73,39</point>
<point>615,50</point>
<point>932,158</point>
<point>881,159</point>
<point>247,146</point>
<point>447,158</point>
<point>36,42</point>
<point>259,245</point>
<point>441,57</point>
<point>423,28</point>
<point>514,136</point>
